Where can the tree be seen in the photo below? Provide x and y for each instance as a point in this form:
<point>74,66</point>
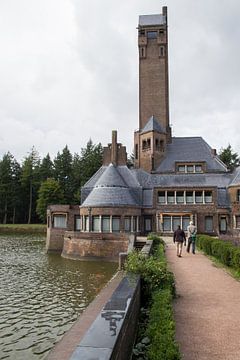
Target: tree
<point>30,182</point>
<point>229,158</point>
<point>63,173</point>
<point>130,160</point>
<point>46,168</point>
<point>9,179</point>
<point>91,161</point>
<point>50,193</point>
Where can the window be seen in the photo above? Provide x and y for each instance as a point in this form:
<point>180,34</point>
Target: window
<point>149,143</point>
<point>161,145</point>
<point>144,145</point>
<point>157,144</point>
<point>185,222</point>
<point>134,223</point>
<point>198,168</point>
<point>77,223</point>
<point>161,32</point>
<point>238,221</point>
<point>238,195</point>
<point>136,151</point>
<point>95,224</point>
<point>170,197</point>
<point>209,224</point>
<point>161,51</point>
<point>223,224</point>
<point>106,224</point>
<point>127,223</point>
<point>180,197</point>
<point>142,32</point>
<point>152,34</point>
<point>60,221</point>
<point>190,168</point>
<point>176,222</point>
<point>142,52</point>
<point>199,197</point>
<point>116,224</point>
<point>161,197</point>
<point>166,223</point>
<point>181,168</point>
<point>189,197</point>
<point>208,197</point>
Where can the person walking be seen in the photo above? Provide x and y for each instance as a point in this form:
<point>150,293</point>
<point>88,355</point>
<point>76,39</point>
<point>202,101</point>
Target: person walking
<point>180,238</point>
<point>192,231</point>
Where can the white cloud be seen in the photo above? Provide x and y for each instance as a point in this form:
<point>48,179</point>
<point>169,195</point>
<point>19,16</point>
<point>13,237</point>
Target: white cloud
<point>69,71</point>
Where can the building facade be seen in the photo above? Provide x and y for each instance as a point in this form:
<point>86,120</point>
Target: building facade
<point>174,179</point>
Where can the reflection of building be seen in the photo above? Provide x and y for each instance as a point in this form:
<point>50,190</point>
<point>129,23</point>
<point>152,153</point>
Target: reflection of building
<point>175,179</point>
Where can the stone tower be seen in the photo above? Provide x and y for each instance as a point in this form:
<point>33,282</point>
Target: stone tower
<point>154,130</point>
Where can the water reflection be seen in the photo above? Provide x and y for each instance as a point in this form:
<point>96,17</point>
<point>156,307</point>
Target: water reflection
<point>41,295</point>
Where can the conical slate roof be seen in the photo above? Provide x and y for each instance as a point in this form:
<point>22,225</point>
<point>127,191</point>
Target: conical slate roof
<point>152,125</point>
<point>110,177</point>
<point>110,190</point>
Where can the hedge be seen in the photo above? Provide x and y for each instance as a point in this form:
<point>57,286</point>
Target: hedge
<point>227,253</point>
<point>156,332</point>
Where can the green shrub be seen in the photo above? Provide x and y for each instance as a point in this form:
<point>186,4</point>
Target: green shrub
<point>156,239</point>
<point>161,328</point>
<point>156,330</point>
<point>225,252</point>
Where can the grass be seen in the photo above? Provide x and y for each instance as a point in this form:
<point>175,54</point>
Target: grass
<point>22,228</point>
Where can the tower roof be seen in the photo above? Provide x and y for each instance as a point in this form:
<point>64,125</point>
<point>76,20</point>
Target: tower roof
<point>153,125</point>
<point>149,20</point>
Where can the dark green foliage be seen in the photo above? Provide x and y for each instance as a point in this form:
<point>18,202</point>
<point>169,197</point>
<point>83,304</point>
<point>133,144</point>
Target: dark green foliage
<point>161,328</point>
<point>50,192</point>
<point>20,184</point>
<point>156,332</point>
<point>227,253</point>
<point>229,158</point>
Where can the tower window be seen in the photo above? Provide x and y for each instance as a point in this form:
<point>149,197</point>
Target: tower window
<point>157,144</point>
<point>161,51</point>
<point>142,51</point>
<point>161,145</point>
<point>149,143</point>
<point>136,151</point>
<point>152,34</point>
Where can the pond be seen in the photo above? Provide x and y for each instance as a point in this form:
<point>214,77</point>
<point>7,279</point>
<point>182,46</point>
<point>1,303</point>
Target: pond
<point>42,295</point>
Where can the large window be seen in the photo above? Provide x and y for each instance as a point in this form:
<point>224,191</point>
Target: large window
<point>95,224</point>
<point>180,197</point>
<point>106,223</point>
<point>199,197</point>
<point>161,197</point>
<point>190,168</point>
<point>166,223</point>
<point>60,221</point>
<point>171,222</point>
<point>77,223</point>
<point>86,223</point>
<point>189,197</point>
<point>209,224</point>
<point>116,224</point>
<point>208,197</point>
<point>127,223</point>
<point>170,197</point>
<point>152,34</point>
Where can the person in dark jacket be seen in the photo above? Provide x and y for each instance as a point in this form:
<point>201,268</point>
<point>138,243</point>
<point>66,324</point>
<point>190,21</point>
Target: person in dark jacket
<point>180,238</point>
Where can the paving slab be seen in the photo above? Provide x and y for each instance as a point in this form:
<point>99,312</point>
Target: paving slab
<point>207,307</point>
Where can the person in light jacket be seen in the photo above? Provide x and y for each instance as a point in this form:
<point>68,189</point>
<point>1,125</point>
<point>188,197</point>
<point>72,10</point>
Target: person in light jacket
<point>192,232</point>
<point>180,238</point>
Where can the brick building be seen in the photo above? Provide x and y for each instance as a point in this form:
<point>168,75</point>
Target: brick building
<point>174,180</point>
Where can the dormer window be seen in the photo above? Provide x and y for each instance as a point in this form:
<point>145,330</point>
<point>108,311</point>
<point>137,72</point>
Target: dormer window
<point>189,168</point>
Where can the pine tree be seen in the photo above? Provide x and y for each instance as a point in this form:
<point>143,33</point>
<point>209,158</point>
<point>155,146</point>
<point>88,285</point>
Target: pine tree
<point>230,159</point>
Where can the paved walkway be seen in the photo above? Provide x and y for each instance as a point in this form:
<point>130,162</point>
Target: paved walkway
<point>207,309</point>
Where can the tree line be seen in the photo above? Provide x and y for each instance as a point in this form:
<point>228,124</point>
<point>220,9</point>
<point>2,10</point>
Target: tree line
<point>27,188</point>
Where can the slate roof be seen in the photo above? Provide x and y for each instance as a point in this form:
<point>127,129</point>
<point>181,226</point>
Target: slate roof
<point>190,149</point>
<point>236,177</point>
<point>149,20</point>
<point>182,180</point>
<point>152,125</point>
<point>112,186</point>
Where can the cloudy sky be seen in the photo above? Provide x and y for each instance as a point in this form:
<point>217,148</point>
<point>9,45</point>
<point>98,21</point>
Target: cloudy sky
<point>69,71</point>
